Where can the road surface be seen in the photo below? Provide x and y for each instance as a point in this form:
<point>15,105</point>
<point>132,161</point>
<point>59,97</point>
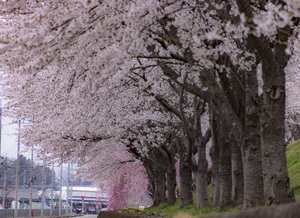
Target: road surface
<point>88,216</point>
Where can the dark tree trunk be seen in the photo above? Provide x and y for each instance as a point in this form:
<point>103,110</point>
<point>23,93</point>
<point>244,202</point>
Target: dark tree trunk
<point>237,173</point>
<point>201,169</point>
<point>171,185</point>
<point>232,134</point>
<point>276,180</point>
<point>186,181</point>
<point>251,150</point>
<point>215,158</point>
<point>185,175</point>
<point>160,188</point>
<point>225,166</point>
<point>157,176</point>
<point>151,185</point>
<point>200,177</point>
<point>274,59</point>
<point>165,161</point>
<point>148,164</point>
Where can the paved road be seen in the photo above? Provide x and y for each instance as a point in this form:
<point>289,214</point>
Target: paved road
<point>88,216</point>
<point>66,216</point>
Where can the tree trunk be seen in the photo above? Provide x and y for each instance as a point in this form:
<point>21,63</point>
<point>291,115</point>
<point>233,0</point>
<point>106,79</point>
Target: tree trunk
<point>147,163</point>
<point>276,180</point>
<point>215,158</point>
<point>237,173</point>
<point>160,188</point>
<point>200,176</point>
<point>171,185</point>
<point>274,60</point>
<point>186,181</point>
<point>185,175</point>
<point>225,166</point>
<point>201,185</point>
<point>251,150</point>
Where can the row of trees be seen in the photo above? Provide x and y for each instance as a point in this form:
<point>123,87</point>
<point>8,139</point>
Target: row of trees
<point>149,84</point>
<point>8,167</point>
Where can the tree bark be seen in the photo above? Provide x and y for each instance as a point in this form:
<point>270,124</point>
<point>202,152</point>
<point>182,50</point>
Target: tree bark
<point>151,185</point>
<point>251,150</point>
<point>234,92</point>
<point>160,187</point>
<point>274,59</point>
<point>185,175</point>
<point>171,185</point>
<point>186,181</point>
<point>276,180</point>
<point>237,173</point>
<point>201,182</point>
<point>225,166</point>
<point>215,158</point>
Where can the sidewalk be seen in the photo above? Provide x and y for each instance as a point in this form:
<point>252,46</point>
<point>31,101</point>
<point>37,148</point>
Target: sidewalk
<point>55,216</point>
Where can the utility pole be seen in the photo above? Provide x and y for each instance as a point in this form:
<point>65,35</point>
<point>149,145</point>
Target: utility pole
<point>71,186</point>
<point>24,181</point>
<point>60,193</point>
<point>17,173</point>
<point>52,181</point>
<point>43,187</point>
<point>31,183</point>
<point>68,187</point>
<point>4,185</point>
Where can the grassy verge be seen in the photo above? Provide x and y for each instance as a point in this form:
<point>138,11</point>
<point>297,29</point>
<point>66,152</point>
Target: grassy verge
<point>293,163</point>
<point>191,209</point>
<point>172,211</point>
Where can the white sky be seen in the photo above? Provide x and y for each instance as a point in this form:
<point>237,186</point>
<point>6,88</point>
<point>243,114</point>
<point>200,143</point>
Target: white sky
<point>9,143</point>
<point>9,139</point>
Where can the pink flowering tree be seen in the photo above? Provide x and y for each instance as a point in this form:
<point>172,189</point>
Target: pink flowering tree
<point>64,65</point>
<point>128,186</point>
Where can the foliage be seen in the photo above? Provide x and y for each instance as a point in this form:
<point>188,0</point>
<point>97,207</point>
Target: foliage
<point>95,77</point>
<point>126,186</point>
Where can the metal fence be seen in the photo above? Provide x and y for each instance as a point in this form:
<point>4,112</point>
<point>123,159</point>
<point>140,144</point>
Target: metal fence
<point>6,213</point>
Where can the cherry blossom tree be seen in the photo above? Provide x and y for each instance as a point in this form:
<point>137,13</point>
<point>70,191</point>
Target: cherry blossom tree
<point>292,101</point>
<point>65,64</point>
<point>126,180</point>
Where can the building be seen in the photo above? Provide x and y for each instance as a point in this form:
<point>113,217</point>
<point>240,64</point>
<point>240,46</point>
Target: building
<point>84,197</point>
<point>24,196</point>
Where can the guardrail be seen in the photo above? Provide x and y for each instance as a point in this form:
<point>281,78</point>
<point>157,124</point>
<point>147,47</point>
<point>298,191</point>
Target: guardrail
<point>7,213</point>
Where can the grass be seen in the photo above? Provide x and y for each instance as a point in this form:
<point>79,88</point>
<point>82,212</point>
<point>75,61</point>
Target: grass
<point>191,209</point>
<point>293,164</point>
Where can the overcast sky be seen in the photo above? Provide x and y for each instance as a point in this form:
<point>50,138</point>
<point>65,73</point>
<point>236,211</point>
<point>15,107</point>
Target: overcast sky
<point>9,142</point>
<point>9,139</point>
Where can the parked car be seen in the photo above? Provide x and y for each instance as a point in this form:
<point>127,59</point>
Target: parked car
<point>91,210</point>
<point>104,208</point>
<point>78,210</point>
